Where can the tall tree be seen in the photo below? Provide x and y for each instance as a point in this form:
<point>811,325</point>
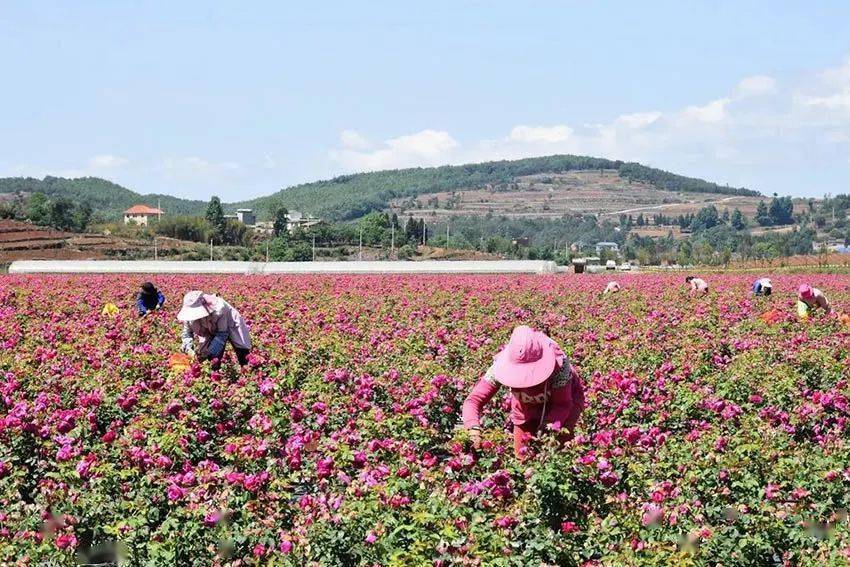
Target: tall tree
<point>37,208</point>
<point>706,218</point>
<point>762,216</point>
<point>279,226</point>
<point>82,216</point>
<point>374,225</point>
<point>61,214</point>
<point>215,216</point>
<point>738,220</point>
<point>411,230</point>
<point>782,210</point>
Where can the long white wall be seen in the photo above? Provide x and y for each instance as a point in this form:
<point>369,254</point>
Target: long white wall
<point>166,267</point>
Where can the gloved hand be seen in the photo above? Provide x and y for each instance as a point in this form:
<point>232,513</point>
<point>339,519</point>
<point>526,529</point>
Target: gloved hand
<point>216,346</point>
<point>186,346</point>
<point>475,437</point>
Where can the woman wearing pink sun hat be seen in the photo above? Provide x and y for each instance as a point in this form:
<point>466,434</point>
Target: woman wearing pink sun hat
<point>810,298</point>
<point>545,388</point>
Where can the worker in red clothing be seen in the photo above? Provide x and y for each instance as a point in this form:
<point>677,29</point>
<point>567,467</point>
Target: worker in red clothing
<point>546,389</point>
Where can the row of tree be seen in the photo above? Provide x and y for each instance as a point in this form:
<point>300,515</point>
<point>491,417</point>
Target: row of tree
<point>213,227</point>
<point>780,212</point>
<point>672,182</point>
<point>718,245</point>
<point>57,212</point>
<point>716,236</point>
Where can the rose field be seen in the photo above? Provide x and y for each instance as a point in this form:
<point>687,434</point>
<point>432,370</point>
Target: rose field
<point>711,435</point>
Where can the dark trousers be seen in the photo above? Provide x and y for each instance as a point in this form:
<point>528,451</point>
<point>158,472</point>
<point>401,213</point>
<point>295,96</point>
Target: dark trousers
<point>241,355</point>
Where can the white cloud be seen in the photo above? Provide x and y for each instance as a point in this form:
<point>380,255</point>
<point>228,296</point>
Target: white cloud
<point>824,99</point>
<point>352,139</point>
<point>194,168</point>
<point>106,161</point>
<point>836,101</point>
<point>269,162</point>
<point>24,170</point>
<point>757,85</point>
<point>103,164</point>
<point>545,134</point>
<point>836,76</point>
<point>712,112</point>
<point>428,147</point>
<point>763,129</point>
<point>638,119</point>
<point>426,143</point>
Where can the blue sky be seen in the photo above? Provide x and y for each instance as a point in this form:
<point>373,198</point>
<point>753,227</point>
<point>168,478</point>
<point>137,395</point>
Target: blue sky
<point>241,99</point>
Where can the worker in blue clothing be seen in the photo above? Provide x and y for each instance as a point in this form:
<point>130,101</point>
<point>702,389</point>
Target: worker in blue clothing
<point>762,286</point>
<point>149,299</point>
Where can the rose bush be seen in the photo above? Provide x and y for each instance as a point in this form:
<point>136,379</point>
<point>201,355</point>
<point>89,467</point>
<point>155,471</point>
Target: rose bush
<point>712,436</point>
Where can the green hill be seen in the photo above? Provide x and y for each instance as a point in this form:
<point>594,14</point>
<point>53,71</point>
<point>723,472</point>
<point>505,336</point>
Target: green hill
<point>107,198</point>
<point>351,196</point>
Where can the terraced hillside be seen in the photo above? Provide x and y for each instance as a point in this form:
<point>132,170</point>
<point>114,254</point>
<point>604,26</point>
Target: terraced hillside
<point>23,241</point>
<point>552,195</point>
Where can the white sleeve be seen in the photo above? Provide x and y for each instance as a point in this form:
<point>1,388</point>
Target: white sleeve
<point>187,331</point>
<point>490,377</point>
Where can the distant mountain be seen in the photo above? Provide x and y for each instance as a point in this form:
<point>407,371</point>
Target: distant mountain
<point>351,196</point>
<point>105,197</point>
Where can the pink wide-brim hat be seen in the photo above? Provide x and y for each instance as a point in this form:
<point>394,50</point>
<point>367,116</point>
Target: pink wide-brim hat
<point>527,360</point>
<point>196,305</point>
<point>806,291</point>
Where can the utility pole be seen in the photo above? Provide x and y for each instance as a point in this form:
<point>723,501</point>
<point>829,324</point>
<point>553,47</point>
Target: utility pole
<point>360,254</point>
<point>314,247</point>
<point>155,250</point>
<point>447,234</point>
<point>267,251</point>
<point>211,250</point>
<point>392,238</point>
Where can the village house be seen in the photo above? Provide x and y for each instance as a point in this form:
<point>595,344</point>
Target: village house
<point>293,219</point>
<point>139,214</point>
<point>245,216</point>
<point>298,219</point>
<point>609,246</point>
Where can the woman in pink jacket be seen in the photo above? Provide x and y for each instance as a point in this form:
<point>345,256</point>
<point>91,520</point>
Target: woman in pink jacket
<point>810,298</point>
<point>546,389</point>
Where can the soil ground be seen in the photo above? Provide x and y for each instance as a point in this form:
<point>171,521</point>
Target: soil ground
<point>23,241</point>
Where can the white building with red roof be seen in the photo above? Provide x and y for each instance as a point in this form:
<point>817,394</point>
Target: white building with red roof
<point>139,214</point>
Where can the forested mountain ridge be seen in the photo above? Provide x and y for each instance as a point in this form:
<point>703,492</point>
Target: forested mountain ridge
<point>351,196</point>
<point>108,199</point>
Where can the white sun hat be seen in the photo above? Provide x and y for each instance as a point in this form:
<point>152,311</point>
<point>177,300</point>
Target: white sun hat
<point>196,306</point>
